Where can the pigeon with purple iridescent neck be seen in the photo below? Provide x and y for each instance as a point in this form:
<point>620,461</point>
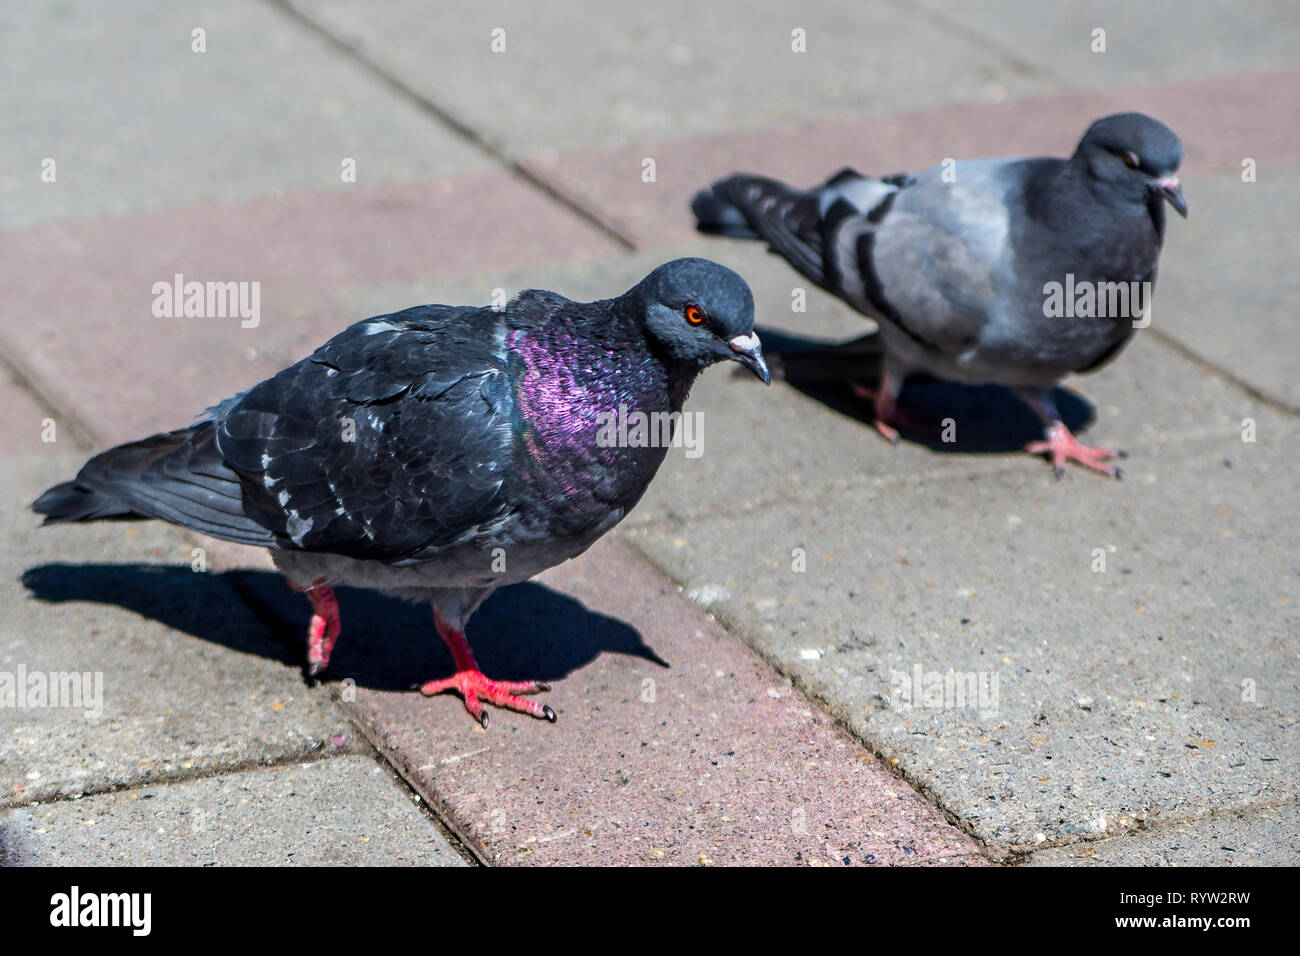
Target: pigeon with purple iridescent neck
<point>955,263</point>
<point>439,452</point>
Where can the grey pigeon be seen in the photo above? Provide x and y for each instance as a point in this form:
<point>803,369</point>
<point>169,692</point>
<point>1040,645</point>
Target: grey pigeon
<point>439,452</point>
<point>1010,271</point>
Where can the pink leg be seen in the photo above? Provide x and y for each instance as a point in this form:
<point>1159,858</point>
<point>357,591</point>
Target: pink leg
<point>1061,446</point>
<point>885,398</point>
<point>475,688</point>
<point>325,625</point>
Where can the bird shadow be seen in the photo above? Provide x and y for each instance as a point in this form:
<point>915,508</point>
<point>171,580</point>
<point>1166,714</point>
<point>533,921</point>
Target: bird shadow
<point>523,632</point>
<point>987,418</point>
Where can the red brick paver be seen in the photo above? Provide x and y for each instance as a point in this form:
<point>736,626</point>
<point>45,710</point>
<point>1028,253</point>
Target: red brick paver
<point>712,760</point>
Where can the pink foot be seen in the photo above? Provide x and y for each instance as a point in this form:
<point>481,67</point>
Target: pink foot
<point>889,414</point>
<point>324,628</point>
<point>476,688</point>
<point>1061,446</point>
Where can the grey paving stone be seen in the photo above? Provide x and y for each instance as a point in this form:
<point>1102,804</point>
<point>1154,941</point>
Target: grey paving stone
<point>1265,837</point>
<point>134,119</point>
<point>189,679</point>
<point>1228,283</point>
<point>1164,686</point>
<point>1156,41</point>
<point>346,811</point>
<point>610,74</point>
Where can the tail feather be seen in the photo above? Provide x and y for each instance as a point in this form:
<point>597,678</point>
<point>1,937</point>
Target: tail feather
<point>754,207</point>
<point>70,501</point>
<point>715,215</point>
<point>178,476</point>
<point>796,224</point>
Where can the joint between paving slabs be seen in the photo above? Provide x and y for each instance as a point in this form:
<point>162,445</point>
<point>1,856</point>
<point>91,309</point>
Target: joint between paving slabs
<point>83,439</point>
<point>1003,855</point>
<point>436,808</point>
<point>1149,828</point>
<point>167,777</point>
<point>461,128</point>
<point>1007,54</point>
<point>429,803</point>
<point>318,752</point>
<point>1223,374</point>
<point>735,629</point>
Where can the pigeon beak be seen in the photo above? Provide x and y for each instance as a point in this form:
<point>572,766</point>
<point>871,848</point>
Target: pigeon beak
<point>1171,189</point>
<point>749,353</point>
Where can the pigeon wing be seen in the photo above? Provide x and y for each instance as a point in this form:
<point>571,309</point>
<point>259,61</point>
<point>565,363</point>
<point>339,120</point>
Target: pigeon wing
<point>937,262</point>
<point>392,440</point>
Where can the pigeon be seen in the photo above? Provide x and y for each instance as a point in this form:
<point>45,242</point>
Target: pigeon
<point>439,452</point>
<point>1014,271</point>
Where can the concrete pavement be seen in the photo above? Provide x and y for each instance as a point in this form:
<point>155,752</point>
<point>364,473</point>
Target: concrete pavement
<point>735,668</point>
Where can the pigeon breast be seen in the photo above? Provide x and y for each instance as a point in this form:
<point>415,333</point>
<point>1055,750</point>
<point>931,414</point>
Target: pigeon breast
<point>575,377</point>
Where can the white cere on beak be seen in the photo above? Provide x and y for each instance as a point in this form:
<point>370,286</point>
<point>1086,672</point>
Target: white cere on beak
<point>744,343</point>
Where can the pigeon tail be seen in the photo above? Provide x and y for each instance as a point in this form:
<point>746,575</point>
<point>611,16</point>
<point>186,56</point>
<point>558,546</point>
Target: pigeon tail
<point>70,501</point>
<point>177,476</point>
<point>716,215</point>
<point>754,207</point>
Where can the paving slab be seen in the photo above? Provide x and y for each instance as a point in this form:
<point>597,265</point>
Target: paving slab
<point>1144,42</point>
<point>1228,283</point>
<point>346,811</point>
<point>1160,686</point>
<point>666,70</point>
<point>135,119</point>
<point>1268,836</point>
<point>674,743</point>
<point>177,677</point>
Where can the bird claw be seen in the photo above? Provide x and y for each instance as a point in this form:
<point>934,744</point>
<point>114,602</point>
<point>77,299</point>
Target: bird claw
<point>475,689</point>
<point>890,433</point>
<point>1062,446</point>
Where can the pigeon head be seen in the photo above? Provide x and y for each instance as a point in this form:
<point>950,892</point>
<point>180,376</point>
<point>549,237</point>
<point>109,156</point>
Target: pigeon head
<point>698,313</point>
<point>1134,156</point>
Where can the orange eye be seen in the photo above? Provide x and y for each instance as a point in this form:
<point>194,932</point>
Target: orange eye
<point>694,315</point>
<point>1131,160</point>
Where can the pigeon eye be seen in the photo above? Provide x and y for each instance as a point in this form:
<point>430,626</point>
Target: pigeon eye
<point>1131,160</point>
<point>694,315</point>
